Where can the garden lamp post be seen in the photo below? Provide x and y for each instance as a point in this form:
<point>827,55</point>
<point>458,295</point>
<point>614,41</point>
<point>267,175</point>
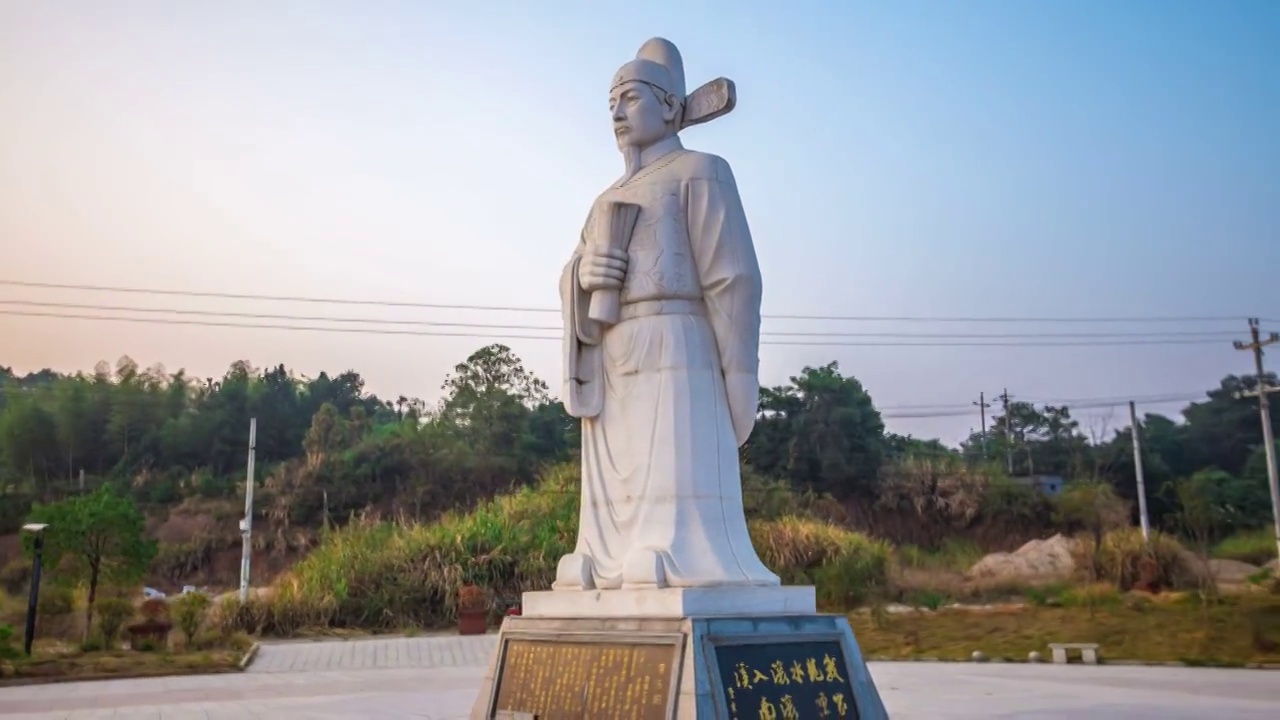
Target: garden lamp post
<point>33,598</point>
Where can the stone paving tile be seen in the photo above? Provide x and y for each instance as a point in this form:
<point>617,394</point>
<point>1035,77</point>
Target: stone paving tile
<point>376,653</point>
<point>437,678</point>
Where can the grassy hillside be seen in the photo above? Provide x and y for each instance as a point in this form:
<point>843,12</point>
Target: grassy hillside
<point>385,575</point>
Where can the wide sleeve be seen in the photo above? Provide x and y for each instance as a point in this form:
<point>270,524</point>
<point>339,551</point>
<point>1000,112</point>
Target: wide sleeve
<point>731,286</point>
<point>581,383</point>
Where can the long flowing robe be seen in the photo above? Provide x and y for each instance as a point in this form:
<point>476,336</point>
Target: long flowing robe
<point>658,393</point>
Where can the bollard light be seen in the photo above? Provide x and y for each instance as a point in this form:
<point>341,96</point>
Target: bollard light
<point>33,597</point>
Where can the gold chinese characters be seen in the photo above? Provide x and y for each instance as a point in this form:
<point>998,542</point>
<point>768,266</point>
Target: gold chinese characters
<point>570,679</point>
<point>789,689</point>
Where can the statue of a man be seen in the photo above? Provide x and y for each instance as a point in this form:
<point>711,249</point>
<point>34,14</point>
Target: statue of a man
<point>667,393</point>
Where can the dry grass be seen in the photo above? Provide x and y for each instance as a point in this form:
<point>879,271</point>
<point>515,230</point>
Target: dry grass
<point>1162,628</point>
<point>936,586</point>
<point>54,661</point>
<point>1129,562</point>
<point>845,567</point>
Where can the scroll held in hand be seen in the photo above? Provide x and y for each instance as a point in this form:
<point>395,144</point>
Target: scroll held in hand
<point>619,222</point>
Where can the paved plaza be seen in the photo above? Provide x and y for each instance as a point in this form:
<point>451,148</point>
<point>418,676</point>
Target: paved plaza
<point>438,677</point>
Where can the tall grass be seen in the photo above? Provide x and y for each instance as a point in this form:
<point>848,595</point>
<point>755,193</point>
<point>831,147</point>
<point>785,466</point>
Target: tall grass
<point>1129,562</point>
<point>846,568</point>
<point>953,554</point>
<point>390,575</point>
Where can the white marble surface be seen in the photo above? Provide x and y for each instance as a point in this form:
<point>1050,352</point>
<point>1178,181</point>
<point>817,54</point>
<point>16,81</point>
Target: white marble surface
<point>661,314</point>
<point>671,602</point>
<point>438,678</point>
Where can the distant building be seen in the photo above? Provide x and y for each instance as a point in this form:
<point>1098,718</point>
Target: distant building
<point>1047,484</point>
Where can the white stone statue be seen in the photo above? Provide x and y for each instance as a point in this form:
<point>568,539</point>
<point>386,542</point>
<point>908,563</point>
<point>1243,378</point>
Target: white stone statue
<point>661,306</point>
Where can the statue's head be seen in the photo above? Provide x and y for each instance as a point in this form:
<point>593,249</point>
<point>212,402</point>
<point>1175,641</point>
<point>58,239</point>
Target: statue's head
<point>647,96</point>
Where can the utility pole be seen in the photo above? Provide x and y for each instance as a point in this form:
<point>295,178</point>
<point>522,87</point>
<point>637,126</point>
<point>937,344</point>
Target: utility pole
<point>246,525</point>
<point>1137,465</point>
<point>1008,431</point>
<point>1264,409</point>
<point>982,411</point>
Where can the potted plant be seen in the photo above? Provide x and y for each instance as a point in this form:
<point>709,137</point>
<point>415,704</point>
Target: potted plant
<point>473,610</point>
<point>153,631</point>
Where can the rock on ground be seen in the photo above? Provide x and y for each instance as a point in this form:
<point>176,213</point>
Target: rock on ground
<point>1231,571</point>
<point>1049,558</point>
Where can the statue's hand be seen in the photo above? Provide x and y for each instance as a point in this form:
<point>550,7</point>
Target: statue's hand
<point>602,269</point>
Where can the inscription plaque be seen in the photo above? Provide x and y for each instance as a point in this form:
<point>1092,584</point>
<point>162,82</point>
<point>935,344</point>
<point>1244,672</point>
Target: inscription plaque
<point>583,678</point>
<point>786,680</point>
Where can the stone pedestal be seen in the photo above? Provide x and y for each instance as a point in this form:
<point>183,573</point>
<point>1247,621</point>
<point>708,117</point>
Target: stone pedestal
<point>711,663</point>
<point>671,602</point>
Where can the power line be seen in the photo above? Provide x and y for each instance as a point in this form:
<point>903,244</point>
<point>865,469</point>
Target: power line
<point>516,308</point>
<point>1081,406</point>
<point>1107,401</point>
<point>435,333</point>
<point>487,326</point>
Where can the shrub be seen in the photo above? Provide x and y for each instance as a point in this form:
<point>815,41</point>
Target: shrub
<point>953,554</point>
<point>95,642</point>
<point>113,613</point>
<point>848,568</point>
<point>1126,561</point>
<point>1256,547</point>
<point>1090,595</point>
<point>16,576</point>
<point>56,600</point>
<point>189,611</point>
<point>7,649</point>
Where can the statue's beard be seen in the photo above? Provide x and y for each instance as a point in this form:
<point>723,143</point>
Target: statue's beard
<point>631,157</point>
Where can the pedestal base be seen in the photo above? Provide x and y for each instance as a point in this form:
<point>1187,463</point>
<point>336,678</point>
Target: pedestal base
<point>671,602</point>
<point>696,668</point>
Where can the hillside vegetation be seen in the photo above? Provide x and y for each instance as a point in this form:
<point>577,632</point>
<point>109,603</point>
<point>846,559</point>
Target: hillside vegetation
<point>459,482</point>
<point>388,575</point>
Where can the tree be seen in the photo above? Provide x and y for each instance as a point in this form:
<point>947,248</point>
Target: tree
<point>1221,431</point>
<point>821,432</point>
<point>487,375</point>
<point>29,438</point>
<point>1041,441</point>
<point>503,414</point>
<point>901,447</point>
<point>1199,516</point>
<point>96,539</point>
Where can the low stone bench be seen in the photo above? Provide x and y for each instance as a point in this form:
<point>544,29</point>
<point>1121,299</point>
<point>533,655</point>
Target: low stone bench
<point>1088,652</point>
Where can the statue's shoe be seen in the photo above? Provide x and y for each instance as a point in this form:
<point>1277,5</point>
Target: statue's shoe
<point>574,572</point>
<point>644,569</point>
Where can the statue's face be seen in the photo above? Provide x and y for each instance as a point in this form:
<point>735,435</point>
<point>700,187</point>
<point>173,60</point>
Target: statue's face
<point>640,117</point>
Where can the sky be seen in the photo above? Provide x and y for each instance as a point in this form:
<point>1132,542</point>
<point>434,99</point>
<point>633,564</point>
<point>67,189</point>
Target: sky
<point>908,160</point>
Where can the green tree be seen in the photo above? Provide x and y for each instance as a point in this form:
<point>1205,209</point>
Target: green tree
<point>1040,440</point>
<point>29,439</point>
<point>96,539</point>
<point>1223,430</point>
<point>822,432</point>
<point>901,447</point>
<point>502,413</point>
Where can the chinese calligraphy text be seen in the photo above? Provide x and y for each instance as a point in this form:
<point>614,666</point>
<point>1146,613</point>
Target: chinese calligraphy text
<point>786,681</point>
<point>586,679</point>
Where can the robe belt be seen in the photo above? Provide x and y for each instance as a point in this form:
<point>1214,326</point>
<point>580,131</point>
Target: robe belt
<point>646,308</point>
